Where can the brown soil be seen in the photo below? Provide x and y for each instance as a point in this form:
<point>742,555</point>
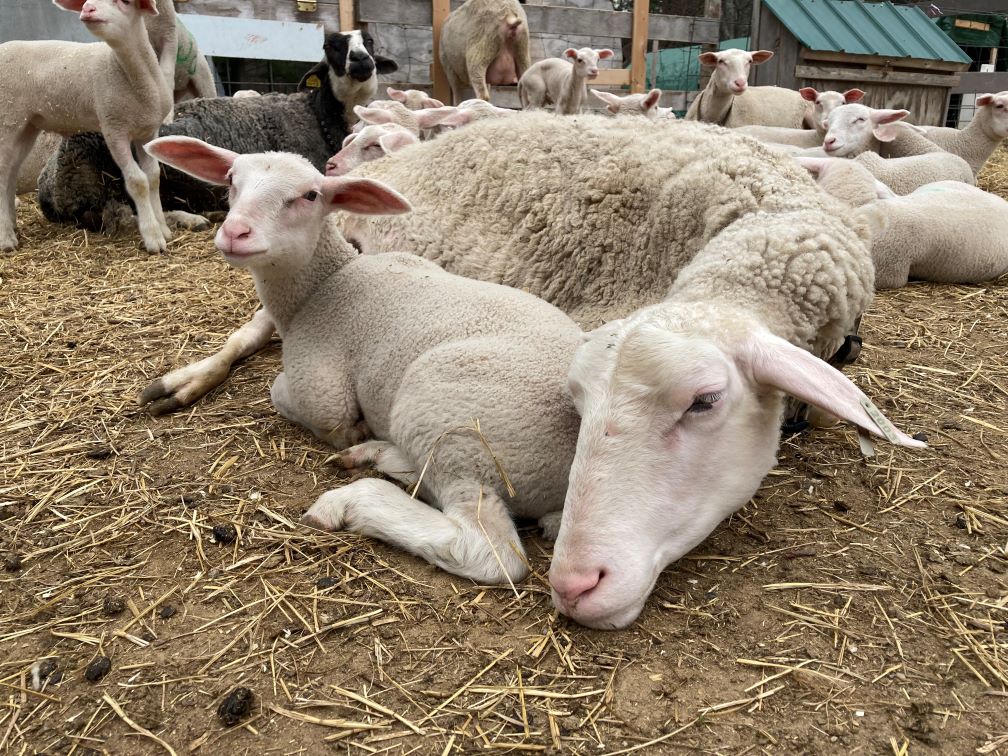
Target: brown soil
<point>853,606</point>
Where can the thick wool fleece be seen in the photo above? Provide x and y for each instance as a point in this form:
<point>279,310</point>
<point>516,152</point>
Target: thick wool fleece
<point>598,218</point>
<point>78,183</point>
<point>422,351</point>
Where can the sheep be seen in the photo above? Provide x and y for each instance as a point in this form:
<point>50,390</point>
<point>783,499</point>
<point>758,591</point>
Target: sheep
<point>635,104</point>
<point>908,159</point>
<point>114,85</point>
<point>946,232</point>
<point>421,123</point>
<point>561,82</point>
<point>823,103</point>
<point>681,402</point>
<point>246,93</point>
<point>484,43</point>
<point>414,99</point>
<point>728,100</point>
<point>373,142</point>
<point>597,220</point>
<point>982,135</point>
<point>80,184</point>
<point>394,345</point>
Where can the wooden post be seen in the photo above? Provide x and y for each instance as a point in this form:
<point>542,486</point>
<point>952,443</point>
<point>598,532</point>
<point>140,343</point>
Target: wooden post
<point>712,9</point>
<point>442,91</point>
<point>638,45</point>
<point>347,18</point>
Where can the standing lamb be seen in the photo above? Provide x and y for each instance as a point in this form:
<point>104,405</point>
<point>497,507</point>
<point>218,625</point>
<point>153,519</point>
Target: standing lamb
<point>114,86</point>
<point>982,135</point>
<point>728,100</point>
<point>635,104</point>
<point>484,43</point>
<point>560,82</point>
<point>81,183</point>
<point>946,232</point>
<point>394,342</point>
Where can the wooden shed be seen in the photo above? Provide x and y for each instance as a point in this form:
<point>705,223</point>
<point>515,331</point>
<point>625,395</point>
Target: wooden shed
<point>894,53</point>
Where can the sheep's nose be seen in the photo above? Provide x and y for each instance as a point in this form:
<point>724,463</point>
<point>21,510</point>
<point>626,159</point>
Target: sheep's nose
<point>235,229</point>
<point>829,141</point>
<point>740,84</point>
<point>571,587</point>
<point>358,55</point>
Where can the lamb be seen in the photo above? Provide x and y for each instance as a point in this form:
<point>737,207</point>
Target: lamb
<point>414,99</point>
<point>374,142</point>
<point>895,153</point>
<point>394,343</point>
<point>179,58</point>
<point>246,93</point>
<point>946,232</point>
<point>561,82</point>
<point>982,135</point>
<point>80,184</point>
<point>635,104</point>
<point>114,86</point>
<point>823,103</point>
<point>484,43</point>
<point>728,100</point>
<point>420,123</point>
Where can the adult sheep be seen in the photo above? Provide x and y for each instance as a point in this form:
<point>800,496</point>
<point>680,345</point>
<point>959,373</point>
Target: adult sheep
<point>80,184</point>
<point>484,43</point>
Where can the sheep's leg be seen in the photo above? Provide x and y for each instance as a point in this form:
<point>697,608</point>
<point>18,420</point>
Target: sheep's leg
<point>336,423</point>
<point>477,80</point>
<point>383,456</point>
<point>184,386</point>
<point>457,85</point>
<point>472,536</point>
<point>138,187</point>
<point>550,524</point>
<point>188,221</point>
<point>13,152</point>
<point>150,166</point>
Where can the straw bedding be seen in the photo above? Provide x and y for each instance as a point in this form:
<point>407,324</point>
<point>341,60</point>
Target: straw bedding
<point>853,604</point>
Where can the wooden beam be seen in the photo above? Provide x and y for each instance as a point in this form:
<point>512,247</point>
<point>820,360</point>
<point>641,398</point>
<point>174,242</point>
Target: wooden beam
<point>881,77</point>
<point>439,12</point>
<point>877,60</point>
<point>982,83</point>
<point>347,21</point>
<point>638,46</point>
<point>611,77</point>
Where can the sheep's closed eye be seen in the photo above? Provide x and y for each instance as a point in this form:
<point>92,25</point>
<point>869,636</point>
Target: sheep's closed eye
<point>704,402</point>
<point>859,120</point>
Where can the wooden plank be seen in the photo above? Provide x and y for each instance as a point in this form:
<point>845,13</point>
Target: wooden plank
<point>611,77</point>
<point>439,12</point>
<point>839,57</point>
<point>975,81</point>
<point>638,46</point>
<point>347,20</point>
<point>926,104</point>
<point>889,77</point>
<point>327,12</point>
<point>550,19</point>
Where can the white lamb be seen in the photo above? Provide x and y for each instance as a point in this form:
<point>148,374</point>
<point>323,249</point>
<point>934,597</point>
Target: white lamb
<point>395,346</point>
<point>823,103</point>
<point>561,82</point>
<point>114,86</point>
<point>635,104</point>
<point>414,99</point>
<point>982,135</point>
<point>946,232</point>
<point>373,142</point>
<point>421,123</point>
<point>896,153</point>
<point>728,100</point>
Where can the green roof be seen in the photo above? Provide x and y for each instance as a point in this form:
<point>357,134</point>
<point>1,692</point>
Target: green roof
<point>855,27</point>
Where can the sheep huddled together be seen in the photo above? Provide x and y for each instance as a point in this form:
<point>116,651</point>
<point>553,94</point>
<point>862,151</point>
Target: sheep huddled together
<point>628,311</point>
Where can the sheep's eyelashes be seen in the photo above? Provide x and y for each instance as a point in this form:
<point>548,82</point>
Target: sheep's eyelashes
<point>704,402</point>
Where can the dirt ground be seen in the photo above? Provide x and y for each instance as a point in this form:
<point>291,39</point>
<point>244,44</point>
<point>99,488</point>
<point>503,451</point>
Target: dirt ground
<point>856,606</point>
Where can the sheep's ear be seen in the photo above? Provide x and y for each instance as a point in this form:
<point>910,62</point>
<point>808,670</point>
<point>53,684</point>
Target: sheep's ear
<point>443,116</point>
<point>853,95</point>
<point>349,138</point>
<point>314,77</point>
<point>808,93</point>
<point>70,5</point>
<point>570,52</point>
<point>882,191</point>
<point>984,99</point>
<point>396,141</point>
<point>147,6</point>
<point>761,56</point>
<point>708,58</point>
<point>813,165</point>
<point>605,53</point>
<point>884,120</point>
<point>772,361</point>
<point>652,99</point>
<point>363,196</point>
<point>606,97</point>
<point>385,65</point>
<point>373,115</point>
<point>431,102</point>
<point>396,94</point>
<point>193,156</point>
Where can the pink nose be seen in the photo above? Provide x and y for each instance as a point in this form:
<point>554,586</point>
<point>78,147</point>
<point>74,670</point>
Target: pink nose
<point>574,586</point>
<point>740,83</point>
<point>235,229</point>
<point>829,141</point>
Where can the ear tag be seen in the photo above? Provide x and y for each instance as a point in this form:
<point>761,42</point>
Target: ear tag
<point>881,421</point>
<point>865,442</point>
<point>313,82</point>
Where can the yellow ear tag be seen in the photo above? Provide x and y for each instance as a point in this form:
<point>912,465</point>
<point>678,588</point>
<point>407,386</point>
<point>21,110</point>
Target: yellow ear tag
<point>313,81</point>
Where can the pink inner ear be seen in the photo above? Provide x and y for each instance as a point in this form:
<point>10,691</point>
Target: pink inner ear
<point>984,99</point>
<point>70,5</point>
<point>197,158</point>
<point>853,95</point>
<point>808,93</point>
<point>570,52</point>
<point>147,6</point>
<point>396,141</point>
<point>652,99</point>
<point>396,94</point>
<point>373,115</point>
<point>708,58</point>
<point>607,53</point>
<point>761,56</point>
<point>364,196</point>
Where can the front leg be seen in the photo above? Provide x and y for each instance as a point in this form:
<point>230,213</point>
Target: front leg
<point>139,190</point>
<point>477,80</point>
<point>332,414</point>
<point>152,169</point>
<point>383,456</point>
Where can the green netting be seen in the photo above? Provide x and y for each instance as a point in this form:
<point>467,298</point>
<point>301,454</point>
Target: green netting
<point>975,30</point>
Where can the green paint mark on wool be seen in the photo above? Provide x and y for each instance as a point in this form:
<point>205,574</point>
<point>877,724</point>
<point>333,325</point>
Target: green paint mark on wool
<point>187,52</point>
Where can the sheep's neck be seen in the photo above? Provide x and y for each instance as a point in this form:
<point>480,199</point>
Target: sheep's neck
<point>135,56</point>
<point>284,291</point>
<point>975,143</point>
<point>715,104</point>
<point>571,99</point>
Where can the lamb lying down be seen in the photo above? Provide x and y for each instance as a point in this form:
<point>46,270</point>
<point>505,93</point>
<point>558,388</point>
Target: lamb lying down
<point>394,345</point>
